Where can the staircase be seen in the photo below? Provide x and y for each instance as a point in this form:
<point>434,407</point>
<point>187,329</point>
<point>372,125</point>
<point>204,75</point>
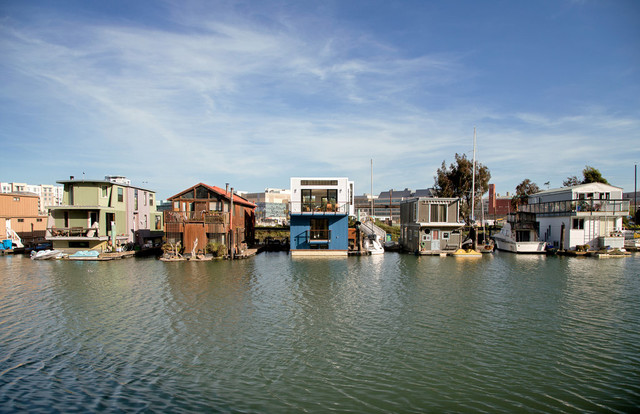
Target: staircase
<point>368,227</point>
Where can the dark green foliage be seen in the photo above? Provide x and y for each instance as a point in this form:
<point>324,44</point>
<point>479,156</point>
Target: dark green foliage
<point>456,181</point>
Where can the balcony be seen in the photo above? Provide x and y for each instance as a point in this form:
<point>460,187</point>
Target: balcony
<point>208,217</point>
<point>75,233</point>
<point>578,208</point>
<point>297,207</point>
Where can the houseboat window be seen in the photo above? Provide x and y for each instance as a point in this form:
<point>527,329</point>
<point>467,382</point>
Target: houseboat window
<point>319,229</point>
<point>202,192</point>
<point>39,220</point>
<point>578,224</point>
<point>188,194</point>
<point>151,199</point>
<point>145,198</point>
<point>120,195</point>
<point>581,196</point>
<point>158,222</point>
<point>589,195</point>
<point>20,220</point>
<point>319,199</point>
<point>438,213</point>
<point>176,205</point>
<point>445,235</point>
<point>135,199</point>
<point>104,191</point>
<point>16,198</point>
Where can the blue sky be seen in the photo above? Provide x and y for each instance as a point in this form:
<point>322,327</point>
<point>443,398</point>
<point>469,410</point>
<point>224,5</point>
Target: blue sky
<point>171,93</point>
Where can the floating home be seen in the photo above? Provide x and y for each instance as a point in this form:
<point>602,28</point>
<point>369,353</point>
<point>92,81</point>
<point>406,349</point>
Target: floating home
<point>319,216</point>
<point>204,214</point>
<point>586,214</point>
<point>103,214</point>
<point>430,225</point>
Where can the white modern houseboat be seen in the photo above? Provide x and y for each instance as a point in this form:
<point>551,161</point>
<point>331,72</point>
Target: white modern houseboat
<point>586,214</point>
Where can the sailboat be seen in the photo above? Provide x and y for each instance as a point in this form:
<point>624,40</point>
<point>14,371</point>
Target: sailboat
<point>477,250</point>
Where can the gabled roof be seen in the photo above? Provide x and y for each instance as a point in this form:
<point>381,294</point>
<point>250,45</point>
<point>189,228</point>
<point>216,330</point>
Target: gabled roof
<point>236,198</point>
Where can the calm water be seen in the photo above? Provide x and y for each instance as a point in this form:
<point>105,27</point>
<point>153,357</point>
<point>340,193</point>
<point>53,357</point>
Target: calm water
<point>273,334</point>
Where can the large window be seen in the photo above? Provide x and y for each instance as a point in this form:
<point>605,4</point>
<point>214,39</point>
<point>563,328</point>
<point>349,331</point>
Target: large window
<point>319,229</point>
<point>578,224</point>
<point>120,194</point>
<point>319,200</point>
<point>438,213</point>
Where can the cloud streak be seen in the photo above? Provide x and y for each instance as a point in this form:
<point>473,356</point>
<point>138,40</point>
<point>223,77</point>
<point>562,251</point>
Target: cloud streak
<point>229,100</point>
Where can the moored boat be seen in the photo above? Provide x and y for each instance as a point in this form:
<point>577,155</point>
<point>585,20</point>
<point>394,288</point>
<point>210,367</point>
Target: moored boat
<point>46,254</point>
<point>518,235</point>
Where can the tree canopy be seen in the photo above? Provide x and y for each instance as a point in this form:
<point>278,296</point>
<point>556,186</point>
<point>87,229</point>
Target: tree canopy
<point>592,175</point>
<point>456,181</point>
<point>589,174</point>
<point>523,190</point>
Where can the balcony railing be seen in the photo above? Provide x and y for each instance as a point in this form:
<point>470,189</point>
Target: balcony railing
<point>575,207</point>
<point>312,207</point>
<point>208,217</point>
<point>89,232</point>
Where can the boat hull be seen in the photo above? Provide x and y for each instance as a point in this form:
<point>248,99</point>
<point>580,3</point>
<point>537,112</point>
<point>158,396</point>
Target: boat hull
<point>535,247</point>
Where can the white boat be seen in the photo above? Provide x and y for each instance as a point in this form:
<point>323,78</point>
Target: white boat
<point>631,240</point>
<point>518,235</point>
<point>46,254</point>
<point>372,244</point>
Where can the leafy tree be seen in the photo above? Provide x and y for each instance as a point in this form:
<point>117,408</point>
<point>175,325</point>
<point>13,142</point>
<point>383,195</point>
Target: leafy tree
<point>523,190</point>
<point>571,181</point>
<point>592,175</point>
<point>456,180</point>
<point>589,174</point>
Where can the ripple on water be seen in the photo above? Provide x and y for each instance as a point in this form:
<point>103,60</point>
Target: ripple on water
<point>394,333</point>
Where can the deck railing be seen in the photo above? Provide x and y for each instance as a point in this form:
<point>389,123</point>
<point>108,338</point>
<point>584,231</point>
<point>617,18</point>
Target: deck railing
<point>209,217</point>
<point>88,232</point>
<point>325,208</point>
<point>576,207</point>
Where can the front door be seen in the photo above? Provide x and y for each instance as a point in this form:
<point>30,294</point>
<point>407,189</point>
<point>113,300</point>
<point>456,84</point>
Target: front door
<point>435,240</point>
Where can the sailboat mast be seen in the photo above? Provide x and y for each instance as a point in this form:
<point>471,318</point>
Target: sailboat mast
<point>473,180</point>
<point>371,189</point>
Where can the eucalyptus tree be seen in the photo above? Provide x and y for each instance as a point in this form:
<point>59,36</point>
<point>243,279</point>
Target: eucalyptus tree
<point>456,181</point>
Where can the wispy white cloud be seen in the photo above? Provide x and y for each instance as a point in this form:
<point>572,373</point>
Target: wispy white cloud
<point>226,99</point>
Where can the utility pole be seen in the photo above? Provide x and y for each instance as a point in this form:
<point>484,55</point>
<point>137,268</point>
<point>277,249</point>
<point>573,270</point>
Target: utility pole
<point>232,238</point>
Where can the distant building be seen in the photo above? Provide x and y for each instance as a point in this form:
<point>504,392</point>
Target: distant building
<point>497,207</point>
<point>96,213</point>
<point>272,205</point>
<point>319,215</point>
<point>19,213</point>
<point>632,197</point>
<point>387,204</point>
<point>48,195</point>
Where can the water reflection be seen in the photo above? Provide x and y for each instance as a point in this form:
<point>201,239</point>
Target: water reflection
<point>388,333</point>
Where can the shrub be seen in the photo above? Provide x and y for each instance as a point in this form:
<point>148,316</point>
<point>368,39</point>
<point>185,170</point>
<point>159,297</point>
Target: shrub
<point>216,249</point>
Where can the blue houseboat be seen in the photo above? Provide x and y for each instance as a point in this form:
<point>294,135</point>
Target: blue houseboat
<point>319,211</point>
